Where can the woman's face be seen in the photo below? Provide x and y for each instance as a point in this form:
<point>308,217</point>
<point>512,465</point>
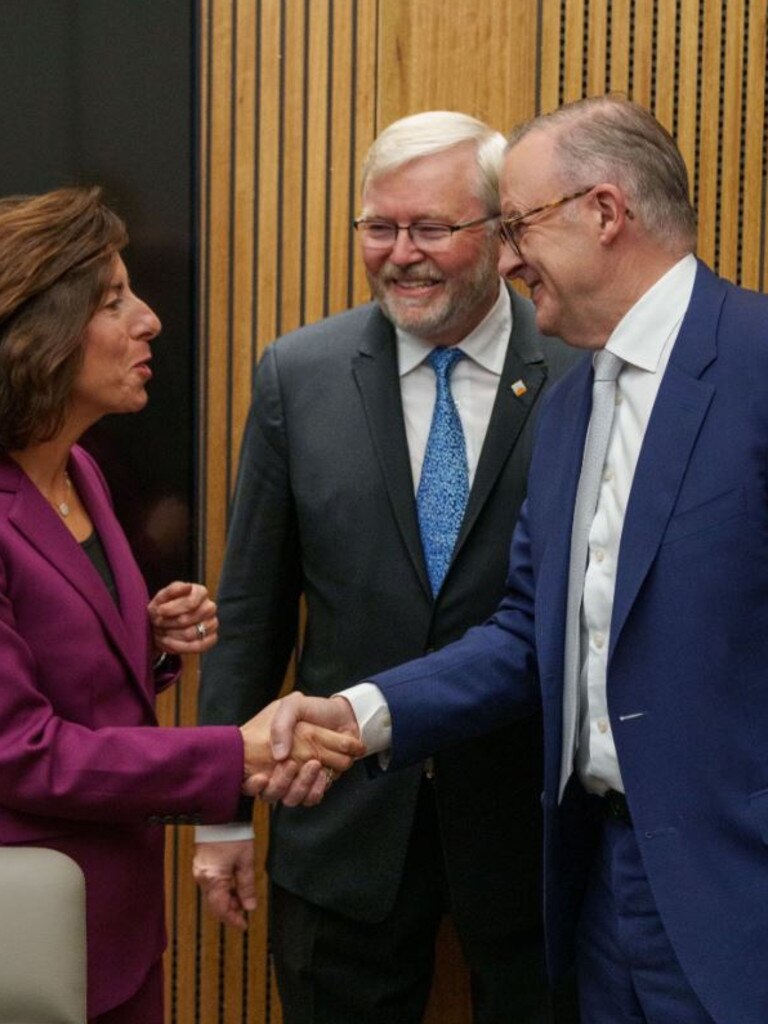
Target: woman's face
<point>116,353</point>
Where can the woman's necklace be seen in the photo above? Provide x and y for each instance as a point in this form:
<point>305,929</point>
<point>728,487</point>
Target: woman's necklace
<point>63,507</point>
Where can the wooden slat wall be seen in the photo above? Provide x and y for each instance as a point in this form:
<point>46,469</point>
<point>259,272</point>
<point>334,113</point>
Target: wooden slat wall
<point>291,94</point>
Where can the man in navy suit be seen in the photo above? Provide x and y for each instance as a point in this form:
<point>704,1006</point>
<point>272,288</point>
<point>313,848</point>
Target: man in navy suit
<point>326,508</point>
<point>656,759</point>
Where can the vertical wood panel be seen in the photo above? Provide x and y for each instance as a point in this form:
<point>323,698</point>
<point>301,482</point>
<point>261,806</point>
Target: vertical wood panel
<point>291,159</point>
<point>341,162</point>
<point>730,141</point>
<point>550,64</point>
<point>685,101</point>
<point>754,236</point>
<point>708,142</point>
<point>291,94</point>
<point>665,67</point>
<point>641,55</point>
<point>597,44</point>
<point>429,61</point>
<point>364,121</point>
<point>245,123</point>
<point>572,55</point>
<point>270,142</point>
<point>621,28</point>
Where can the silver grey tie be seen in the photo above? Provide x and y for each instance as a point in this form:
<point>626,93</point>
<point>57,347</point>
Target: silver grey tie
<point>606,369</point>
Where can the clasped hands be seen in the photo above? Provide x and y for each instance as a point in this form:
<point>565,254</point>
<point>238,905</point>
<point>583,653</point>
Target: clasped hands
<point>296,746</point>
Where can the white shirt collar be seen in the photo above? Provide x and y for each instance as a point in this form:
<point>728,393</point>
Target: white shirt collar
<point>486,344</point>
<point>643,333</point>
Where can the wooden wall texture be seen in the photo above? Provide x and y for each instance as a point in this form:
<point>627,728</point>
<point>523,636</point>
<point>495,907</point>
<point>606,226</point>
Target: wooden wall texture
<point>291,94</point>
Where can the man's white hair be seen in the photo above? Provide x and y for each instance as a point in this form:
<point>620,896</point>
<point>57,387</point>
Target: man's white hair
<point>434,131</point>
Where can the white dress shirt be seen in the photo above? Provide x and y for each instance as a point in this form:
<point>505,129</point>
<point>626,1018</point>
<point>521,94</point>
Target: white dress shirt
<point>474,383</point>
<point>644,339</point>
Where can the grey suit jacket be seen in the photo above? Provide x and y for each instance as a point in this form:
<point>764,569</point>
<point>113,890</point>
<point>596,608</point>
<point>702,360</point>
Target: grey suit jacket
<point>325,507</point>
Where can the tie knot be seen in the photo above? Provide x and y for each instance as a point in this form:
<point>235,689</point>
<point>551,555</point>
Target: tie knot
<point>606,365</point>
<point>442,360</point>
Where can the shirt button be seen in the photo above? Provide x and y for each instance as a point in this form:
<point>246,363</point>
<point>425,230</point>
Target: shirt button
<point>602,725</point>
<point>607,474</point>
<point>599,554</point>
<point>618,398</point>
<point>599,639</point>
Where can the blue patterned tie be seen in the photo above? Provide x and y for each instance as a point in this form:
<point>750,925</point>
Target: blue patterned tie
<point>444,485</point>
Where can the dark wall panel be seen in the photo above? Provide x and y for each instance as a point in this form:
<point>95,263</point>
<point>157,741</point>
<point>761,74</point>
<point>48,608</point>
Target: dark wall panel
<point>102,91</point>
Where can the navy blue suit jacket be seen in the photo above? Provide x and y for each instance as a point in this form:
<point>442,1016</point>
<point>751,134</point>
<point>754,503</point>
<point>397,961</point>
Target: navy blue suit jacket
<point>688,659</point>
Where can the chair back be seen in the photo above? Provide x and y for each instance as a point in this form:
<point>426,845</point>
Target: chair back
<point>42,938</point>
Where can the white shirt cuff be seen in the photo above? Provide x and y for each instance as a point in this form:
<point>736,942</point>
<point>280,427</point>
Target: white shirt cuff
<point>373,719</point>
<point>235,831</point>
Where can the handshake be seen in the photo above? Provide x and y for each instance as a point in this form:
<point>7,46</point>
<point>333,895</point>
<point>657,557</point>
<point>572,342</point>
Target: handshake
<point>295,747</point>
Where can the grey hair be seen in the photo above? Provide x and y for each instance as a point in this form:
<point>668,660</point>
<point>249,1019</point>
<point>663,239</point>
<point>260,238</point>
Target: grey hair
<point>611,139</point>
<point>434,131</point>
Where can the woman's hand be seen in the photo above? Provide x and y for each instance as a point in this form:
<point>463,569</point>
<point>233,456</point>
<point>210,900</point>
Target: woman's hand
<point>314,754</point>
<point>183,619</point>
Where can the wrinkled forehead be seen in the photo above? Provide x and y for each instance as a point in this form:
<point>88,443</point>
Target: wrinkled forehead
<point>530,173</point>
<point>433,185</point>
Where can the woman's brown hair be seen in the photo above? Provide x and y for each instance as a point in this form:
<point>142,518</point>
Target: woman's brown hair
<point>56,257</point>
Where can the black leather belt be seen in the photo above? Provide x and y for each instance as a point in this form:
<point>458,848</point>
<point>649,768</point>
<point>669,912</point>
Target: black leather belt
<point>614,806</point>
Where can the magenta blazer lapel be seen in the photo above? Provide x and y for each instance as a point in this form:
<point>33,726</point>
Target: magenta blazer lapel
<point>126,626</point>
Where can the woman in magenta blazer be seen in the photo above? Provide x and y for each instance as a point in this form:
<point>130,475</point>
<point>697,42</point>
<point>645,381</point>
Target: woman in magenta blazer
<point>84,768</point>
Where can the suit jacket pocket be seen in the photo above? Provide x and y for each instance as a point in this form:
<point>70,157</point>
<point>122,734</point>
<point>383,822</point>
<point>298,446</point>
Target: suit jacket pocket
<point>706,515</point>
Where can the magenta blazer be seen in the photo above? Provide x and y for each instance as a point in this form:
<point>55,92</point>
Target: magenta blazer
<point>84,768</point>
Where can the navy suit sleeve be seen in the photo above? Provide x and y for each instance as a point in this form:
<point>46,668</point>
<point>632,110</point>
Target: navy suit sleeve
<point>260,585</point>
<point>475,685</point>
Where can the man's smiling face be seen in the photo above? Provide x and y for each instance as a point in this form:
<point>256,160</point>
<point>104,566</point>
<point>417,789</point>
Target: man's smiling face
<point>438,296</point>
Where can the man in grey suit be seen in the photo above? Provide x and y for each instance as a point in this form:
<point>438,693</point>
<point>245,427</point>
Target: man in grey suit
<point>386,495</point>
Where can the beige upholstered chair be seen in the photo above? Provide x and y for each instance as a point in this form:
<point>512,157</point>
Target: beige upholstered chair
<point>42,937</point>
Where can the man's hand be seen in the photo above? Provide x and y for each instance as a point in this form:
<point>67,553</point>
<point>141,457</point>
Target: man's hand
<point>329,712</point>
<point>300,720</point>
<point>183,619</point>
<point>314,744</point>
<point>224,872</point>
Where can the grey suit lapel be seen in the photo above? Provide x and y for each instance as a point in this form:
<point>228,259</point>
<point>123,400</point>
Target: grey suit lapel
<point>375,371</point>
<point>524,362</point>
